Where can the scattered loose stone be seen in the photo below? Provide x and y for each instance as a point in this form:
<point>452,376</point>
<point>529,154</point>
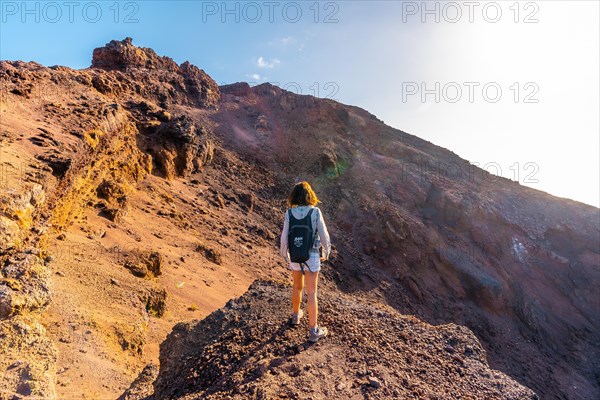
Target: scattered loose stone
<point>374,382</point>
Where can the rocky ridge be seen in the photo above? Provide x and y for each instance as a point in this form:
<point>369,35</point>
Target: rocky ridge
<point>247,350</point>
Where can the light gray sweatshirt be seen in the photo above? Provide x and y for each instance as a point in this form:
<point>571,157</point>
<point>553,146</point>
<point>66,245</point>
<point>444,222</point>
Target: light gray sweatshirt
<point>322,237</point>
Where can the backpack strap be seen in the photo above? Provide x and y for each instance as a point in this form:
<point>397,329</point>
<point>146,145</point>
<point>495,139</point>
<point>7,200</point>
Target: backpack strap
<point>302,265</point>
<point>313,226</point>
<point>308,216</point>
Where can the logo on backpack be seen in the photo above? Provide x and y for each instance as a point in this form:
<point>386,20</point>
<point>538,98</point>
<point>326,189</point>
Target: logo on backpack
<point>298,241</point>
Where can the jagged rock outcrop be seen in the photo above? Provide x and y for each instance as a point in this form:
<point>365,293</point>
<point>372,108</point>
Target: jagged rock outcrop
<point>123,54</point>
<point>141,70</point>
<point>248,350</point>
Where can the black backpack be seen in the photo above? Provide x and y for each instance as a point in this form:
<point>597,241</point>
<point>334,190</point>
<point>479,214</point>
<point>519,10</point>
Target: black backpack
<point>301,238</point>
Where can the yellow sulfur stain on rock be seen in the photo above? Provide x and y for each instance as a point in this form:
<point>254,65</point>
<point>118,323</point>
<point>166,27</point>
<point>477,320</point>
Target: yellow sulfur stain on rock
<point>93,137</point>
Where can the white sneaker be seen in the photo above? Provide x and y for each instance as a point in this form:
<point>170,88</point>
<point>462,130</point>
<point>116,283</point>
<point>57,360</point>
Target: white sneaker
<point>316,334</point>
<point>296,317</point>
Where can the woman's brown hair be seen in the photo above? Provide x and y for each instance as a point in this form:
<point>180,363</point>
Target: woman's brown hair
<point>302,195</point>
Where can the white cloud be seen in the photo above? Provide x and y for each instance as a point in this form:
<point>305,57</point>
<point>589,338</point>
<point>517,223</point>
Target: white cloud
<point>262,63</point>
<point>256,77</point>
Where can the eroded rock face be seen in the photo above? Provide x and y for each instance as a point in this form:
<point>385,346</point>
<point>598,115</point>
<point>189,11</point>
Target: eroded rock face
<point>28,360</point>
<point>247,349</point>
<point>16,213</point>
<point>9,233</point>
<point>156,302</point>
<point>145,264</point>
<point>179,147</point>
<point>25,285</point>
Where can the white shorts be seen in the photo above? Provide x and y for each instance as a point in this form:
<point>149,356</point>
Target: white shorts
<point>314,263</point>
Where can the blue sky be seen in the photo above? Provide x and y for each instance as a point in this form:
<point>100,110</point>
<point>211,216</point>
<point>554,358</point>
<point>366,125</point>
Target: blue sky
<point>512,86</point>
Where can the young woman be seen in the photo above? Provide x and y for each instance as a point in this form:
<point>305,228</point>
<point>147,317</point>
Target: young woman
<point>300,201</point>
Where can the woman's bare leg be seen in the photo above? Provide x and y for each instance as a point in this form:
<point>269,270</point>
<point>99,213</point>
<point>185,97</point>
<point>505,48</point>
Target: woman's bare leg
<point>311,298</point>
<point>297,291</point>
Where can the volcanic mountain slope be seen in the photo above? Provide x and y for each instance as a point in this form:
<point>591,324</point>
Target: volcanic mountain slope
<point>434,235</point>
<point>154,196</point>
<point>247,350</point>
